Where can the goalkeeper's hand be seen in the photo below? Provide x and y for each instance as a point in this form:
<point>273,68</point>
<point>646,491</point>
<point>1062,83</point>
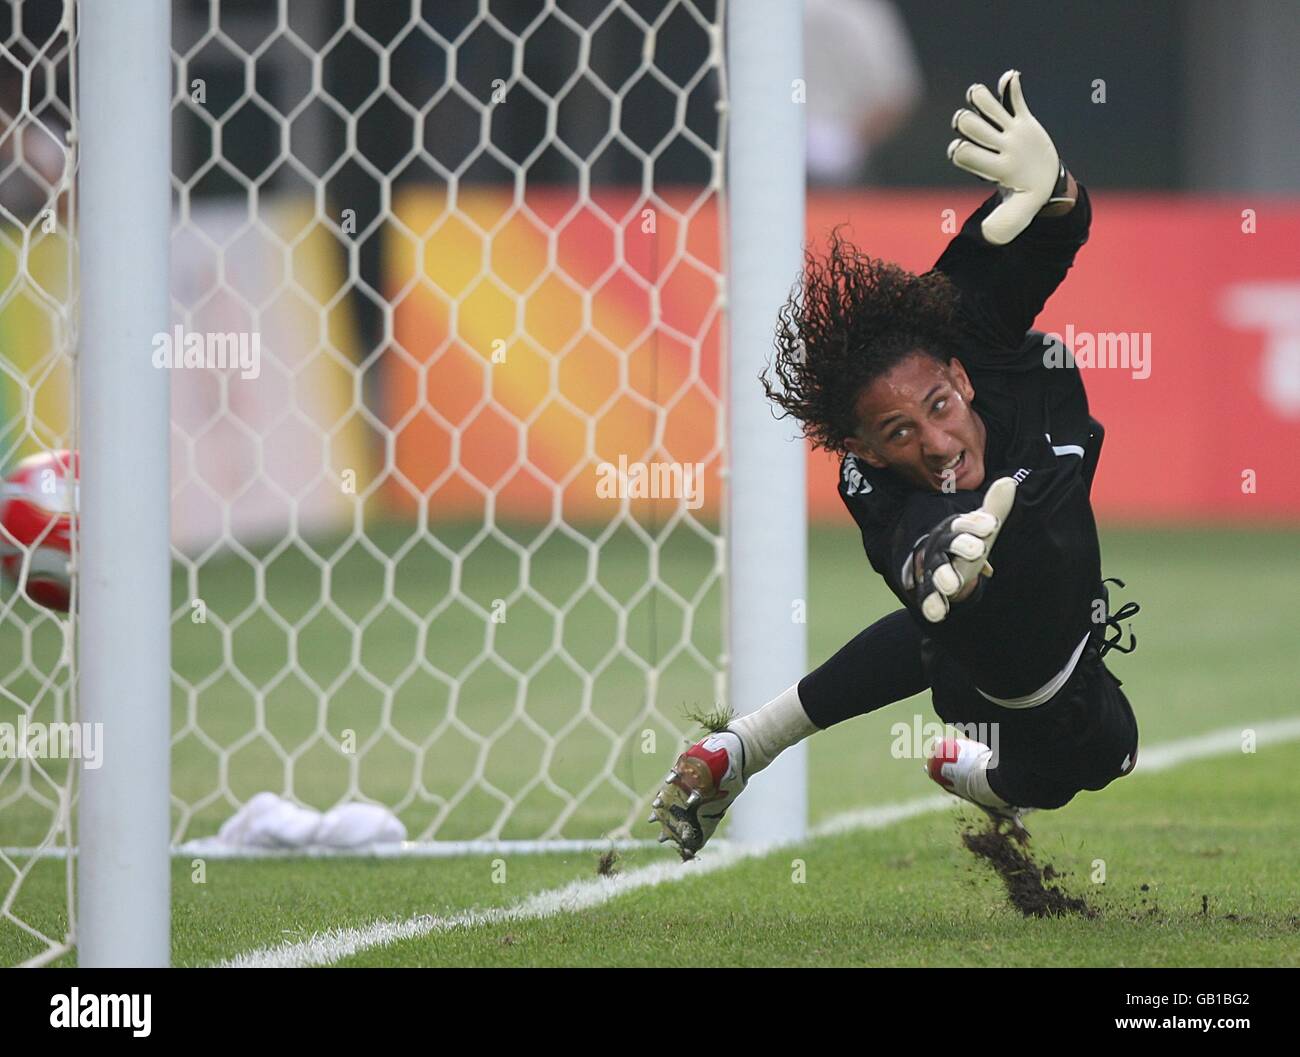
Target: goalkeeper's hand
<point>1001,141</point>
<point>946,564</point>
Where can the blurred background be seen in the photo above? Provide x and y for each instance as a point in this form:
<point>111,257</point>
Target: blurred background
<point>480,243</point>
<point>1190,102</point>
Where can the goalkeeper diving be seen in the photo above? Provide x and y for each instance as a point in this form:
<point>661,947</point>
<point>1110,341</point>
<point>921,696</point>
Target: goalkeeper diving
<point>967,463</point>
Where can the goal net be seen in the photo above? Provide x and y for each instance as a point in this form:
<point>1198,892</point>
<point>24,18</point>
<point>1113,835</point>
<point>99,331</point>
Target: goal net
<point>447,435</point>
<point>37,339</point>
<point>446,525</point>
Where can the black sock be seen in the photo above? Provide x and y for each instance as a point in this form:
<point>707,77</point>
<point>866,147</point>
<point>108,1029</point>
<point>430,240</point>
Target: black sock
<point>879,666</point>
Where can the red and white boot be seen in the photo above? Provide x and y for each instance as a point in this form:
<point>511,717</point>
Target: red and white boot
<point>703,784</point>
<point>960,765</point>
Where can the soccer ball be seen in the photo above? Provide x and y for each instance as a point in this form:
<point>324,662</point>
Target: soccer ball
<point>37,506</point>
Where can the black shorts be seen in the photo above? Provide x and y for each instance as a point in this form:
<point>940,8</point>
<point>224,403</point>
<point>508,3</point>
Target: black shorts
<point>1084,737</point>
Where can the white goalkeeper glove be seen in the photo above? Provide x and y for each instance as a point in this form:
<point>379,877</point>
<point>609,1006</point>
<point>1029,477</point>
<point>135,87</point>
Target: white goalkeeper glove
<point>1001,141</point>
<point>947,562</point>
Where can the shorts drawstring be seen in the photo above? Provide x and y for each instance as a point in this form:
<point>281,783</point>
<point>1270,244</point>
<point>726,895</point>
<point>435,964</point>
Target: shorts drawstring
<point>1126,611</point>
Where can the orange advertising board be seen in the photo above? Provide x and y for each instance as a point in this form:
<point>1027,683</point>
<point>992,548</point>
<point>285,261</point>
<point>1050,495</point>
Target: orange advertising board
<point>538,342</point>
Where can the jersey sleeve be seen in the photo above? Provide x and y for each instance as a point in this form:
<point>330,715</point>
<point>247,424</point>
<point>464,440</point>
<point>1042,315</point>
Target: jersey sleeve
<point>1003,288</point>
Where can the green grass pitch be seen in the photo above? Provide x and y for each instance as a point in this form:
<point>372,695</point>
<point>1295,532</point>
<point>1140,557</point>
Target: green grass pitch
<point>1212,841</point>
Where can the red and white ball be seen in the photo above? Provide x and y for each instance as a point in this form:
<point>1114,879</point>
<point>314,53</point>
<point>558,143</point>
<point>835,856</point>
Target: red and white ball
<point>37,507</point>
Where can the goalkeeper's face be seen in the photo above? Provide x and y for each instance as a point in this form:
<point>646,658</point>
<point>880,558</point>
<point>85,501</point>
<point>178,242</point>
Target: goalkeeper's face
<point>917,420</point>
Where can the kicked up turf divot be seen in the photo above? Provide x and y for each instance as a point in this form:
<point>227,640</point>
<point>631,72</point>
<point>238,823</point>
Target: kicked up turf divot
<point>1027,883</point>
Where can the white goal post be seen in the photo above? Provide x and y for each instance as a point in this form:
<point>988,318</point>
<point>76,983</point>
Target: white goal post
<point>124,876</point>
<point>767,513</point>
<point>438,366</point>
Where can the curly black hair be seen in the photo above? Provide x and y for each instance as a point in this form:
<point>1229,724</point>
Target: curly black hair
<point>851,320</point>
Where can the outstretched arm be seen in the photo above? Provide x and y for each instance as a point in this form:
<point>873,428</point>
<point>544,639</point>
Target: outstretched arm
<point>1016,248</point>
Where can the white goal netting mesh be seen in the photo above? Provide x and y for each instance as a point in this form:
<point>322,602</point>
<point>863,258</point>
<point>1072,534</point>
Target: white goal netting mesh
<point>472,253</point>
<point>446,426</point>
<point>37,339</point>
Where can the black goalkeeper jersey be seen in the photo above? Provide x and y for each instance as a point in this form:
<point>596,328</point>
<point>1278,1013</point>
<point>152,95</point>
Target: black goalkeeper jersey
<point>1043,600</point>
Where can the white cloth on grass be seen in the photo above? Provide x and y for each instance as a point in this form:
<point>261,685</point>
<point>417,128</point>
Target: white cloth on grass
<point>271,821</point>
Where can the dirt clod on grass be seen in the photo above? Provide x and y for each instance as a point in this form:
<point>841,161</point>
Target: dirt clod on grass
<point>607,864</point>
<point>714,720</point>
<point>1024,879</point>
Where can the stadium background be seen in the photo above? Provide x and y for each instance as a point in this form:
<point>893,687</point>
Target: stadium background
<point>1170,158</point>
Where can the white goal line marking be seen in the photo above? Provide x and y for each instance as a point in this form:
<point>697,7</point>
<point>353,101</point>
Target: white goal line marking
<point>327,948</point>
